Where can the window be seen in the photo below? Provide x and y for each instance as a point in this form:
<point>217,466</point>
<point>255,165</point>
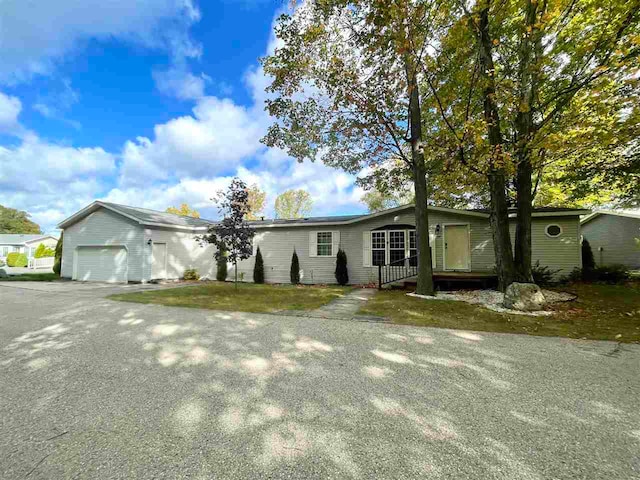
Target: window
<point>378,248</point>
<point>396,247</point>
<point>4,251</point>
<point>325,242</point>
<point>553,230</point>
<point>413,249</point>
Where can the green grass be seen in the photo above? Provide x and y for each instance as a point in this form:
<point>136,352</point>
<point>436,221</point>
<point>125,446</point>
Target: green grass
<point>31,277</point>
<point>248,297</point>
<point>601,312</point>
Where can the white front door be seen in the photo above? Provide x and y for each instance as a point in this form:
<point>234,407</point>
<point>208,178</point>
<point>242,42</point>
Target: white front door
<point>457,255</point>
<point>158,261</point>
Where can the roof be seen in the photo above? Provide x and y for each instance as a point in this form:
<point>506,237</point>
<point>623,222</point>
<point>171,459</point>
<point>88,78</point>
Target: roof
<point>597,213</point>
<point>142,216</point>
<point>21,238</point>
<point>145,216</point>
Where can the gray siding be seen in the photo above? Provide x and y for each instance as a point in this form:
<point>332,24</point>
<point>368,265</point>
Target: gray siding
<point>104,227</point>
<point>277,244</point>
<point>183,251</point>
<point>612,239</point>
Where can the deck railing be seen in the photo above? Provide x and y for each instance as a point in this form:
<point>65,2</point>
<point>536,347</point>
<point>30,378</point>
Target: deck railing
<point>397,270</point>
<point>43,262</point>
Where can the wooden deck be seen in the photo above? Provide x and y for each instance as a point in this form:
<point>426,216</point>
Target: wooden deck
<point>452,280</point>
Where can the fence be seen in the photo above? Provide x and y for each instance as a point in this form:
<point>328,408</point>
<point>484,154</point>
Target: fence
<point>44,262</point>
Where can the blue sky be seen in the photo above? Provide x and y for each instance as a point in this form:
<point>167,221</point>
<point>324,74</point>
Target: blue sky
<point>148,103</point>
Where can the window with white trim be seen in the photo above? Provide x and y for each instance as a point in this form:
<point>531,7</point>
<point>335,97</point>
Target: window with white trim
<point>378,248</point>
<point>553,230</point>
<point>324,244</point>
<point>397,247</point>
<point>413,249</point>
<point>4,251</point>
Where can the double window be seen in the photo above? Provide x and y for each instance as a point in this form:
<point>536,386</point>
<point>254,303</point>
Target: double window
<point>324,244</point>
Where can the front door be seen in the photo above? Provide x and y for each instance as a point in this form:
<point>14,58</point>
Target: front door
<point>456,247</point>
<point>158,261</point>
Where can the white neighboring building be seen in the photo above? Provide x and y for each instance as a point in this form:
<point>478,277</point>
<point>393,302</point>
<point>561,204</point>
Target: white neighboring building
<point>24,243</point>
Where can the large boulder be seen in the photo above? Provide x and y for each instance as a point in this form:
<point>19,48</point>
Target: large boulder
<point>524,296</point>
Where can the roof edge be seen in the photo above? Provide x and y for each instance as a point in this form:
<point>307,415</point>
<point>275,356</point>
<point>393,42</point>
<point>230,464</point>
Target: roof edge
<point>597,213</point>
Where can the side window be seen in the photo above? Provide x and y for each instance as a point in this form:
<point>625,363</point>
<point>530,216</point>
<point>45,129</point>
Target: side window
<point>324,245</point>
<point>413,249</point>
<point>553,230</point>
<point>378,248</point>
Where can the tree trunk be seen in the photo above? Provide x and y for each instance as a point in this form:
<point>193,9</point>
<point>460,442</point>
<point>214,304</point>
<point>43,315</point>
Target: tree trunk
<point>528,54</point>
<point>425,272</point>
<point>499,215</point>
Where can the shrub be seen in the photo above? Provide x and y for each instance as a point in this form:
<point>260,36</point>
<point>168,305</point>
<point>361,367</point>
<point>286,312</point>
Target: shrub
<point>612,274</point>
<point>295,268</point>
<point>543,275</point>
<point>16,259</point>
<point>221,273</point>
<point>191,274</point>
<point>57,263</point>
<point>342,274</point>
<point>42,251</point>
<point>258,268</point>
<point>588,262</point>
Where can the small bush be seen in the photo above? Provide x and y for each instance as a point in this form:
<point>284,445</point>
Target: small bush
<point>16,259</point>
<point>342,274</point>
<point>42,251</point>
<point>543,275</point>
<point>221,272</point>
<point>588,262</point>
<point>611,274</point>
<point>294,274</point>
<point>191,274</point>
<point>258,268</point>
<point>57,263</point>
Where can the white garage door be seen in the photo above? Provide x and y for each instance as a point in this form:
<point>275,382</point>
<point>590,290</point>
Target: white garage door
<point>101,264</point>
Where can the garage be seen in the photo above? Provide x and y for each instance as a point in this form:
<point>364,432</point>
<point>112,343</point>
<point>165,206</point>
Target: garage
<point>104,263</point>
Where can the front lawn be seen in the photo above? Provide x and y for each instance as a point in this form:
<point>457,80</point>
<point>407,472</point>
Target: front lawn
<point>31,277</point>
<point>248,297</point>
<point>601,312</point>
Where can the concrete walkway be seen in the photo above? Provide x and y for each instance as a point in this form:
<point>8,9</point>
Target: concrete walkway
<point>345,307</point>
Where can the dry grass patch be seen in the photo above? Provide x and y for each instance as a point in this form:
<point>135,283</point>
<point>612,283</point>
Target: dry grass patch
<point>247,297</point>
<point>601,312</point>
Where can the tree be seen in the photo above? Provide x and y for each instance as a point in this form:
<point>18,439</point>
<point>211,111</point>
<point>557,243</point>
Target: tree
<point>258,268</point>
<point>588,262</point>
<point>57,262</point>
<point>256,200</point>
<point>16,221</point>
<point>293,204</point>
<point>232,236</point>
<point>342,273</point>
<point>294,273</point>
<point>377,200</point>
<point>530,90</point>
<point>348,90</point>
<point>184,210</point>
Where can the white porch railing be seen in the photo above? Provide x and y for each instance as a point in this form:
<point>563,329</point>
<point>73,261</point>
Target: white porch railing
<point>44,262</point>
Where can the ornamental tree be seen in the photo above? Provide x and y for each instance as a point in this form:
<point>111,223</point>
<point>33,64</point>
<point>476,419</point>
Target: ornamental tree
<point>232,236</point>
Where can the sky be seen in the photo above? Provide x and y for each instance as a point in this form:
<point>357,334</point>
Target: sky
<point>149,103</point>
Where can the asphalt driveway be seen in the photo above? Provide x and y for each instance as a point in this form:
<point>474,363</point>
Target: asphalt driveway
<point>91,388</point>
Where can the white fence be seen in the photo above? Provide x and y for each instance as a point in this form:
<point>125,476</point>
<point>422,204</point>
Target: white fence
<point>44,262</point>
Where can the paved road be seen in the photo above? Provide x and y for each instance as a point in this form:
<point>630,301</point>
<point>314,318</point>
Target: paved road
<point>91,388</point>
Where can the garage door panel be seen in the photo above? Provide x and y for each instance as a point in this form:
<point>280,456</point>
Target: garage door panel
<point>101,264</point>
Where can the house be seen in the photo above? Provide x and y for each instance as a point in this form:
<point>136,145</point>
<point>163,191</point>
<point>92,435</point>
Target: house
<point>614,237</point>
<point>110,242</point>
<point>24,243</point>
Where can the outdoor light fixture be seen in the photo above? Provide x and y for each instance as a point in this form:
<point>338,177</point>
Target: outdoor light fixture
<point>438,229</point>
<point>149,242</point>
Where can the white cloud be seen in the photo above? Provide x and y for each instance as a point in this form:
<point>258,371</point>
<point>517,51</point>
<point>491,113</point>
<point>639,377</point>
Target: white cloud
<point>214,140</point>
<point>35,37</point>
<point>181,83</point>
<point>10,108</point>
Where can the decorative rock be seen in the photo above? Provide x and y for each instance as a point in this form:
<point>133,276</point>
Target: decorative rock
<point>524,296</point>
